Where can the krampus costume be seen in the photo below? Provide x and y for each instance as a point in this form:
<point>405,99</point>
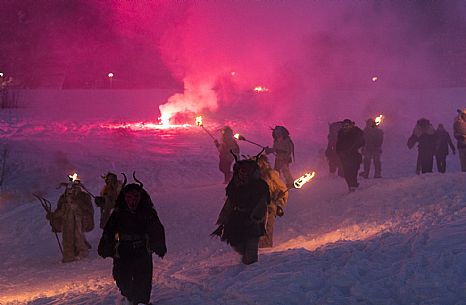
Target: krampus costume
<point>424,135</point>
<point>130,236</point>
<point>334,164</point>
<point>278,198</point>
<point>443,141</point>
<point>372,150</point>
<point>108,197</point>
<point>459,128</point>
<point>227,145</point>
<point>283,148</point>
<point>350,140</point>
<point>73,216</point>
<point>242,218</point>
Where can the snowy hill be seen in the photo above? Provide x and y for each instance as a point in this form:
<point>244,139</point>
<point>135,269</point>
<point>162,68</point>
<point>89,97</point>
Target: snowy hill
<point>398,240</point>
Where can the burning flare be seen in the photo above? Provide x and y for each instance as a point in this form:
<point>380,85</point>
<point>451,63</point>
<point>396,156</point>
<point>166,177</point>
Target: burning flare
<point>378,120</point>
<point>298,183</point>
<point>199,121</point>
<point>261,89</point>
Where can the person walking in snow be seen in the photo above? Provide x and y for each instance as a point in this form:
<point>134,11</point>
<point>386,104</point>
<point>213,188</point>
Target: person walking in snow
<point>278,198</point>
<point>241,221</point>
<point>424,135</point>
<point>283,148</point>
<point>443,141</point>
<point>350,140</point>
<point>131,235</point>
<point>227,145</point>
<point>372,150</point>
<point>334,164</point>
<point>73,217</point>
<point>108,196</point>
<point>459,132</point>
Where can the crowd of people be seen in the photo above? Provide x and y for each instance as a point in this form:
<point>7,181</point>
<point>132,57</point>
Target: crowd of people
<point>256,193</point>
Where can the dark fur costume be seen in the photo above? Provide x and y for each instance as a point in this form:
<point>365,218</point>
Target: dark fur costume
<point>130,237</point>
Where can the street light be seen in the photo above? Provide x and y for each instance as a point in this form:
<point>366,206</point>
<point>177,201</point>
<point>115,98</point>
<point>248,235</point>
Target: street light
<point>110,78</point>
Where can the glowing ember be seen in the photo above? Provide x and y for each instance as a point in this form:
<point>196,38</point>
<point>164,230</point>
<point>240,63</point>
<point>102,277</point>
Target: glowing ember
<point>73,177</point>
<point>378,120</point>
<point>199,121</point>
<point>375,78</point>
<point>261,89</point>
<point>298,183</point>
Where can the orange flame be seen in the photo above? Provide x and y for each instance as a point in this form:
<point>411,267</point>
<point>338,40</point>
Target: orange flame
<point>237,136</point>
<point>298,183</point>
<point>199,121</point>
<point>73,177</point>
<point>378,120</point>
<point>261,89</point>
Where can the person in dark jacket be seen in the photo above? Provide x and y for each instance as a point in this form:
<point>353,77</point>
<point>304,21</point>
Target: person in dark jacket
<point>334,164</point>
<point>443,141</point>
<point>424,135</point>
<point>242,218</point>
<point>130,236</point>
<point>373,138</point>
<point>350,140</point>
<point>459,132</point>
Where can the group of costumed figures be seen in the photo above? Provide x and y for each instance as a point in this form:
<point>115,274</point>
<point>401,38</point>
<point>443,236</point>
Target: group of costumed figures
<point>132,231</point>
<point>255,194</point>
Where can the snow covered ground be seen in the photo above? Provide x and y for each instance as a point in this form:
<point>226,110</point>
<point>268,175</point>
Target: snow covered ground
<point>398,240</point>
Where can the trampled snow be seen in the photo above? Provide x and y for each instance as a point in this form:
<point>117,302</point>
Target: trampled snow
<point>397,240</point>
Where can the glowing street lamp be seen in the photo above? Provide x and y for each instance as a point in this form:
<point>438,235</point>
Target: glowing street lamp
<point>375,78</point>
<point>110,78</point>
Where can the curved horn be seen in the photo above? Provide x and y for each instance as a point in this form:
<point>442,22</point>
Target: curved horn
<point>124,182</point>
<point>234,155</point>
<point>135,179</point>
<point>259,154</point>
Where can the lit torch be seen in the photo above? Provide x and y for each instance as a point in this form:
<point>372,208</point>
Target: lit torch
<point>298,183</point>
<point>73,178</point>
<point>378,120</point>
<point>199,123</point>
<point>241,138</point>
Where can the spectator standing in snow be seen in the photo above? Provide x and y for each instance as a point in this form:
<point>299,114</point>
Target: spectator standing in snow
<point>424,135</point>
<point>334,164</point>
<point>443,141</point>
<point>131,235</point>
<point>350,140</point>
<point>372,150</point>
<point>459,129</point>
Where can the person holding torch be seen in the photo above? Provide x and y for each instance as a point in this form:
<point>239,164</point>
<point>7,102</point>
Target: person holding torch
<point>226,147</point>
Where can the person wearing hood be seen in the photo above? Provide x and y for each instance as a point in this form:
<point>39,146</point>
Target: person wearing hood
<point>424,135</point>
<point>350,140</point>
<point>241,221</point>
<point>443,141</point>
<point>459,133</point>
<point>132,233</point>
<point>226,147</point>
